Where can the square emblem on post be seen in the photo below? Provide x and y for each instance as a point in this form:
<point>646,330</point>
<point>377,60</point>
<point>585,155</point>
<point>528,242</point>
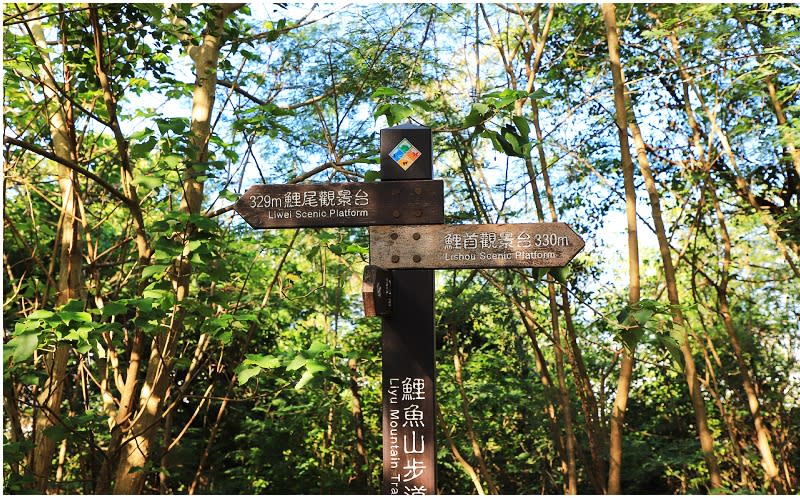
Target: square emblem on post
<point>406,152</point>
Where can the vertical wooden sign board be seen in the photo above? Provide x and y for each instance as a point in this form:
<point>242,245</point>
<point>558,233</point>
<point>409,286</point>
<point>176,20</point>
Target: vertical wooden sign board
<point>409,447</point>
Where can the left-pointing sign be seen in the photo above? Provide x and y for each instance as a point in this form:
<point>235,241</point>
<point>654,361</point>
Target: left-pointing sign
<point>343,204</point>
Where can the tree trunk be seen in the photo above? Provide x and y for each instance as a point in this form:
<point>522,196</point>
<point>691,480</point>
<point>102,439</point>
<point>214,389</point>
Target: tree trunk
<point>762,433</point>
<point>465,410</point>
<point>566,409</point>
<point>583,384</point>
<point>690,371</point>
<point>142,435</point>
<point>626,365</point>
<point>70,276</point>
<point>361,462</point>
<point>469,469</point>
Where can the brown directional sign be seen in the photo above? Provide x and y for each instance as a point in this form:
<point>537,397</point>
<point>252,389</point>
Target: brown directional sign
<point>376,290</point>
<point>520,245</point>
<point>343,204</point>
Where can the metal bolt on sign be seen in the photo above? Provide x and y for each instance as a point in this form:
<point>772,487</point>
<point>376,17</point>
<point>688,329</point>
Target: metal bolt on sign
<point>408,241</point>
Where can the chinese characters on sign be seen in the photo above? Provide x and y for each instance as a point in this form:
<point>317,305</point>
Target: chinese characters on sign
<point>331,203</point>
<point>322,198</point>
<point>518,245</point>
<point>409,429</point>
<point>343,204</point>
<point>411,241</point>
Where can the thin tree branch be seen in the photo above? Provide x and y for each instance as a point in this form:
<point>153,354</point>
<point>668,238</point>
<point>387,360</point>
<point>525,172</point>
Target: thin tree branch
<point>71,165</point>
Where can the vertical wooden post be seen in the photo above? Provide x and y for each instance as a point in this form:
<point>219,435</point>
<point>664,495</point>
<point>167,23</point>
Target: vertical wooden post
<point>409,447</point>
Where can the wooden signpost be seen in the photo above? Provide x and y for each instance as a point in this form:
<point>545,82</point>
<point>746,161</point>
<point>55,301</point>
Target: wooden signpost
<point>521,245</point>
<point>409,445</point>
<point>408,240</point>
<point>356,204</point>
<point>376,291</point>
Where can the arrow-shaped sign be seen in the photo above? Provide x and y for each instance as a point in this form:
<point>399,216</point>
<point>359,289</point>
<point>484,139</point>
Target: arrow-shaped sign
<point>519,245</point>
<point>355,204</point>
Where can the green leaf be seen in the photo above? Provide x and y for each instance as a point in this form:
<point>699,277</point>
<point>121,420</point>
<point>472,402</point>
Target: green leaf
<point>148,182</point>
<point>371,176</point>
<point>247,373</point>
<point>317,347</point>
<point>674,349</point>
<point>172,161</point>
<point>79,334</point>
<point>113,308</point>
<point>381,110</point>
<point>314,366</point>
<point>40,314</point>
<point>194,245</point>
<point>507,97</point>
<point>560,274</point>
<point>479,113</point>
<point>538,94</point>
<point>297,363</point>
<point>641,316</point>
<point>522,125</point>
<point>631,337</point>
<point>307,377</point>
<point>397,113</point>
<point>74,316</point>
<point>23,346</point>
<point>153,269</point>
<point>229,195</point>
<point>502,145</point>
<point>74,305</point>
<point>263,361</point>
<point>56,432</point>
<point>384,92</point>
<point>422,105</point>
<point>27,326</point>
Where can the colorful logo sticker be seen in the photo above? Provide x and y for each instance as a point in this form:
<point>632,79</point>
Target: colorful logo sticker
<point>405,154</point>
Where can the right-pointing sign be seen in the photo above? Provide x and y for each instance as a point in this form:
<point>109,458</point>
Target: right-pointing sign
<point>518,245</point>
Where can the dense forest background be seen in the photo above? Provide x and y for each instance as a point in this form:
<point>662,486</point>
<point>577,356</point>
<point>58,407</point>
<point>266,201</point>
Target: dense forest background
<point>153,342</point>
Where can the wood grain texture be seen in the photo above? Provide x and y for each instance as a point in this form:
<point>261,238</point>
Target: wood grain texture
<point>343,204</point>
<point>376,291</point>
<point>519,245</point>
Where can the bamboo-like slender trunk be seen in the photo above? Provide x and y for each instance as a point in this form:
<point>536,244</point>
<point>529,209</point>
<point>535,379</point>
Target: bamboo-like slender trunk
<point>690,369</point>
<point>532,57</point>
<point>469,469</point>
<point>725,413</point>
<point>762,433</point>
<point>566,411</point>
<point>465,410</point>
<point>690,372</point>
<point>626,365</point>
<point>571,480</point>
<point>586,395</point>
<point>749,384</point>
